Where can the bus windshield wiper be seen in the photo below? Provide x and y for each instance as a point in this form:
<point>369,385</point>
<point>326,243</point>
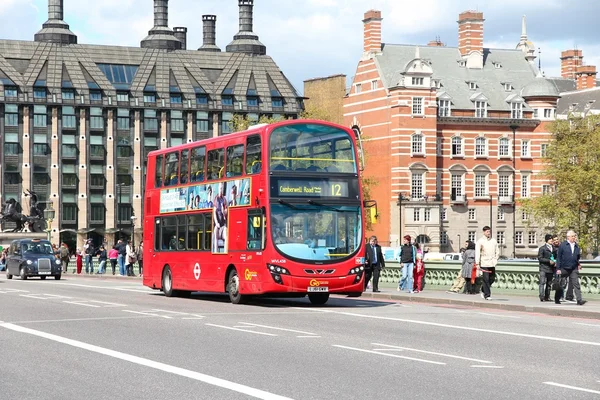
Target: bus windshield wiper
<point>285,203</point>
<point>315,203</point>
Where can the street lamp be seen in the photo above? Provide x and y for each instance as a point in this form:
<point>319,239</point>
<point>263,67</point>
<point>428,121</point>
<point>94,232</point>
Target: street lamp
<point>400,198</point>
<point>133,218</point>
<point>491,213</point>
<point>49,214</point>
<point>514,199</point>
<point>119,201</point>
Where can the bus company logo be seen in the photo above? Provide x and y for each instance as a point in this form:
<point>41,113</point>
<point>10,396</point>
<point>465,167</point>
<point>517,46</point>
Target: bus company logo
<point>316,283</point>
<point>249,275</point>
<point>359,260</point>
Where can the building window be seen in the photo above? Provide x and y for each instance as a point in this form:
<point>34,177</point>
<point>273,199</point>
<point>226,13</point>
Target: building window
<point>122,97</point>
<point>39,93</point>
<point>546,190</point>
<point>444,108</point>
<point>516,110</point>
<point>525,216</point>
<point>500,237</point>
<point>417,106</point>
<point>481,147</point>
<point>417,215</point>
<point>69,212</point>
<point>504,147</point>
<point>123,119</point>
<point>202,121</point>
<point>416,185</point>
<point>532,238</point>
<point>457,146</point>
<point>68,94</point>
<point>508,87</point>
<point>150,120</point>
<point>252,101</point>
<point>443,238</point>
<point>150,98</point>
<point>69,120</point>
<point>277,102</point>
<point>427,215</point>
<point>373,85</point>
<point>11,116</point>
<point>201,99</point>
<point>472,85</point>
<point>417,81</point>
<point>536,113</point>
<point>480,109</point>
<point>227,100</point>
<point>471,236</point>
<point>481,185</point>
<point>525,148</point>
<point>226,122</point>
<point>456,186</point>
<point>417,144</point>
<point>96,118</point>
<point>10,91</point>
<point>176,98</point>
<point>524,186</point>
<point>11,144</point>
<point>500,214</point>
<point>177,122</point>
<point>503,186</point>
<point>95,95</point>
<point>544,150</point>
<point>444,214</point>
<point>518,238</point>
<point>40,117</point>
<point>472,214</point>
<point>548,113</point>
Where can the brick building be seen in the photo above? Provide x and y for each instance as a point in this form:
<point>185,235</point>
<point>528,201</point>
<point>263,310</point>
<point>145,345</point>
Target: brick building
<point>327,94</point>
<point>456,135</point>
<point>77,121</point>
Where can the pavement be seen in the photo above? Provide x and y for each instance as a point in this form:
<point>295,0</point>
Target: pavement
<point>98,338</point>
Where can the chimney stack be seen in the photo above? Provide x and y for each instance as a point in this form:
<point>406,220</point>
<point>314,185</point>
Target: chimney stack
<point>160,36</point>
<point>570,60</point>
<point>209,33</point>
<point>372,31</point>
<point>470,32</point>
<point>180,33</point>
<point>436,43</point>
<point>55,30</point>
<point>585,77</point>
<point>246,41</point>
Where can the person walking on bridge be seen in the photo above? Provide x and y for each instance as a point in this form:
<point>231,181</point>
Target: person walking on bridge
<point>486,258</point>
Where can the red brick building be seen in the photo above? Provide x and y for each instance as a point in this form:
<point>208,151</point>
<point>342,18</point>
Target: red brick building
<point>455,135</point>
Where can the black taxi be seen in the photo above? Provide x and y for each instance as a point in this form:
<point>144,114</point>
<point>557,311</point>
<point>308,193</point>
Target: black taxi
<point>32,258</point>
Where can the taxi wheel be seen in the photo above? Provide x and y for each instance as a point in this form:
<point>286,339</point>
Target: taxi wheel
<point>318,299</point>
<point>233,288</point>
<point>57,277</point>
<point>23,274</point>
<point>43,278</point>
<point>8,276</point>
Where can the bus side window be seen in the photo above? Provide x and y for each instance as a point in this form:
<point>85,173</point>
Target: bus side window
<point>184,167</point>
<point>169,233</point>
<point>172,169</point>
<point>208,224</point>
<point>194,232</point>
<point>198,163</point>
<point>253,155</point>
<point>216,164</point>
<point>157,239</point>
<point>158,176</point>
<point>235,161</point>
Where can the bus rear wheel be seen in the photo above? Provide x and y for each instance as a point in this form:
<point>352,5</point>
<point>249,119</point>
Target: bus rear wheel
<point>233,288</point>
<point>167,283</point>
<point>318,299</point>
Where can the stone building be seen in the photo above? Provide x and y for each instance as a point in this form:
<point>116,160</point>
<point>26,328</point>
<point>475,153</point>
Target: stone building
<point>77,121</point>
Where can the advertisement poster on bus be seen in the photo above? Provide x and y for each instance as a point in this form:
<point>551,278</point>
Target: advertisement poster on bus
<point>202,197</point>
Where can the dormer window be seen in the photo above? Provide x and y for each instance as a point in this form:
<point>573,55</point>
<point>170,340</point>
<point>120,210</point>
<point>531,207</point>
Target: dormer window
<point>10,91</point>
<point>497,65</point>
<point>437,83</point>
<point>508,87</point>
<point>480,109</point>
<point>462,63</point>
<point>472,85</point>
<point>516,110</point>
<point>417,81</point>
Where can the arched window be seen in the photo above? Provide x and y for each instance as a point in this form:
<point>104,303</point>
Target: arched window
<point>481,149</point>
<point>417,144</point>
<point>457,146</point>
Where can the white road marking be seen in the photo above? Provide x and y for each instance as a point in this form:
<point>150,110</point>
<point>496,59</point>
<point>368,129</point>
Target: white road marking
<point>81,303</point>
<point>167,311</point>
<point>241,330</point>
<point>277,329</point>
<point>10,291</point>
<point>498,315</point>
<point>572,387</point>
<point>486,366</point>
<point>44,296</point>
<point>389,355</point>
<point>211,380</point>
<point>463,328</point>
<point>193,318</point>
<point>306,337</point>
<point>76,319</point>
<point>594,325</point>
<point>149,314</point>
<point>432,353</point>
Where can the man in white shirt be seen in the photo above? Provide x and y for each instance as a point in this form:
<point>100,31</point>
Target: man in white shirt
<point>486,258</point>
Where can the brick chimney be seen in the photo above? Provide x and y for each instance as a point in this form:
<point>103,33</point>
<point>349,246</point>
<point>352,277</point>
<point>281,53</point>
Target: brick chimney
<point>470,32</point>
<point>436,43</point>
<point>372,35</point>
<point>585,77</point>
<point>569,61</point>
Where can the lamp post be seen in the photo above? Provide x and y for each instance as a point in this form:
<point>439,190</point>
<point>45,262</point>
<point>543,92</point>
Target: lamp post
<point>49,214</point>
<point>459,241</point>
<point>400,198</point>
<point>119,201</point>
<point>514,199</point>
<point>133,218</point>
<point>491,213</point>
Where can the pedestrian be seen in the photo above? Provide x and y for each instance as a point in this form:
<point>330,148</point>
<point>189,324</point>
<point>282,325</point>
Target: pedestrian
<point>102,256</point>
<point>419,270</point>
<point>121,258</point>
<point>568,265</point>
<point>3,255</point>
<point>468,267</point>
<point>375,262</point>
<point>88,252</point>
<point>547,260</point>
<point>459,282</point>
<point>113,255</point>
<point>131,258</point>
<point>486,258</point>
<point>64,256</point>
<point>78,261</point>
<point>140,257</point>
<point>408,258</point>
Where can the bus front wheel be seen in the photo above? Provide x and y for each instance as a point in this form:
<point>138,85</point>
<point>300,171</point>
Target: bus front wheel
<point>318,299</point>
<point>167,283</point>
<point>233,288</point>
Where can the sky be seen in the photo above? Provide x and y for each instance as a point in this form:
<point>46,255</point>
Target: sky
<point>317,38</point>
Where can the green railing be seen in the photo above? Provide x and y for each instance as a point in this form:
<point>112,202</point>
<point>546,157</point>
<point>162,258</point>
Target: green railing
<point>521,276</point>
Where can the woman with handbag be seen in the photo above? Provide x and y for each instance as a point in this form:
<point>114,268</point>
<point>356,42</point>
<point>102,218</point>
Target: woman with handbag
<point>468,267</point>
<point>131,258</point>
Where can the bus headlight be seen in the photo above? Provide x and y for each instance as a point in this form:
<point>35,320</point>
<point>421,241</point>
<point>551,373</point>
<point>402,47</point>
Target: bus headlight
<point>276,272</point>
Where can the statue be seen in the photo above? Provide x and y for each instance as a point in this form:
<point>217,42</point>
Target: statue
<point>13,212</point>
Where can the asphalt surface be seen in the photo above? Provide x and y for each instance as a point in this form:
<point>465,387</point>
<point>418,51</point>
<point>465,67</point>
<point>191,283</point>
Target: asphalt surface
<point>115,339</point>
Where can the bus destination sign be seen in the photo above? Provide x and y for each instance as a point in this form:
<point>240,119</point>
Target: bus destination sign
<point>310,188</point>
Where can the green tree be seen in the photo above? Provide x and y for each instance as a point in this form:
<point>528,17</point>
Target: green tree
<point>241,122</point>
<point>572,163</point>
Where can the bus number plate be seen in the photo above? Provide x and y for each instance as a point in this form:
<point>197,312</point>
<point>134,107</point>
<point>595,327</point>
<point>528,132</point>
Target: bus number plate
<point>318,289</point>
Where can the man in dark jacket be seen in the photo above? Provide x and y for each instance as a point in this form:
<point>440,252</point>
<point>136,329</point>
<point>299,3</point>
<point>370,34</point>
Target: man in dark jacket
<point>547,259</point>
<point>568,266</point>
<point>374,263</point>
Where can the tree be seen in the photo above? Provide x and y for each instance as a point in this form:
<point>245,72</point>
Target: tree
<point>572,163</point>
<point>241,122</point>
<point>314,112</point>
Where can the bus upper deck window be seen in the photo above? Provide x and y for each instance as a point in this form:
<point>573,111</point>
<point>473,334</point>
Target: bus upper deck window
<point>172,169</point>
<point>183,168</point>
<point>253,155</point>
<point>198,162</point>
<point>158,176</point>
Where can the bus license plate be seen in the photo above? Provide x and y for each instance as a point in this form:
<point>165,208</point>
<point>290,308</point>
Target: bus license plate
<point>318,289</point>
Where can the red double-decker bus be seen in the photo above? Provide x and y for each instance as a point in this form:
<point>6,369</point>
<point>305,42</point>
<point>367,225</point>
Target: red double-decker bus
<point>275,210</point>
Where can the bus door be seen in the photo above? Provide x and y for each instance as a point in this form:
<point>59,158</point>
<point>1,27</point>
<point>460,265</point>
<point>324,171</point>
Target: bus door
<point>255,244</point>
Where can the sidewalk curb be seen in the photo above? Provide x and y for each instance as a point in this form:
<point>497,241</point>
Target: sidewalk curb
<point>557,312</point>
<point>101,277</point>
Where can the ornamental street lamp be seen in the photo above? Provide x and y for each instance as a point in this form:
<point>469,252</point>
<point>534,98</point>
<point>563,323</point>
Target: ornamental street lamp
<point>49,214</point>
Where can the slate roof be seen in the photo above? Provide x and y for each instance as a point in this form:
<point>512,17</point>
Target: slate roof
<point>564,85</point>
<point>581,101</point>
<point>514,69</point>
<point>540,87</point>
<point>22,62</point>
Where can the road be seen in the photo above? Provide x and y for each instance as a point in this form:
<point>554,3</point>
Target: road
<point>115,339</point>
